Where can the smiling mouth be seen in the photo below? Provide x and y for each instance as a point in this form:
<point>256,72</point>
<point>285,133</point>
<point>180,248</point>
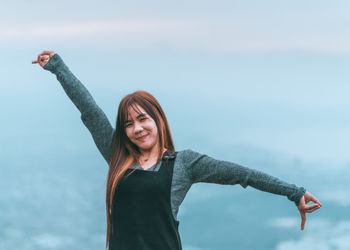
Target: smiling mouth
<point>142,137</point>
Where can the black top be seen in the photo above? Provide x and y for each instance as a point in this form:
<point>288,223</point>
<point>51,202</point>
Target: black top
<point>141,211</point>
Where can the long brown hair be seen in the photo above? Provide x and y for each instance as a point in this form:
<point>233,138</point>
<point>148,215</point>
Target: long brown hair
<point>124,152</point>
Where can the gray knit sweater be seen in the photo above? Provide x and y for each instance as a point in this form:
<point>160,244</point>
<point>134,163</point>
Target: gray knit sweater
<point>190,167</point>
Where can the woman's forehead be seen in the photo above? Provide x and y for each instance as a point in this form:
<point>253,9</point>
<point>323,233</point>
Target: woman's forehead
<point>134,110</point>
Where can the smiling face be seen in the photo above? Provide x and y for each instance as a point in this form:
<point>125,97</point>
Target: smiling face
<point>141,129</point>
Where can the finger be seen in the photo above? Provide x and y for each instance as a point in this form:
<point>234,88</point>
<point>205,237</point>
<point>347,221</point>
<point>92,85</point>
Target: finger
<point>314,199</point>
<point>36,61</point>
<point>43,58</point>
<point>47,52</point>
<point>303,220</point>
<point>42,63</point>
<point>310,197</point>
<point>311,210</point>
<point>311,206</point>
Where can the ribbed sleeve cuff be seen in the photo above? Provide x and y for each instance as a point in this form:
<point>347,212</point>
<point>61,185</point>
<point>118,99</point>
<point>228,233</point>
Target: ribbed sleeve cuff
<point>54,64</point>
<point>297,195</point>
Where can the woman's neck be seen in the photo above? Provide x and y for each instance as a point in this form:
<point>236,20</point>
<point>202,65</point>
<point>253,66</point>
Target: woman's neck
<point>149,157</point>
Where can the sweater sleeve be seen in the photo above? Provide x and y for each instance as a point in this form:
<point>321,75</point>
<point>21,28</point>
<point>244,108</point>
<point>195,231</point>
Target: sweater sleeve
<point>202,168</point>
<point>92,116</point>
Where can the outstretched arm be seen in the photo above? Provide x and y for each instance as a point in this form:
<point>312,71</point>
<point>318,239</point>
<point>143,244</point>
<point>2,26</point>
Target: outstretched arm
<point>202,168</point>
<point>91,114</point>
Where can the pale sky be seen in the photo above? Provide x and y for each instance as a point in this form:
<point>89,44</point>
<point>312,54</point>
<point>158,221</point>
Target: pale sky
<point>276,71</point>
<point>203,26</point>
<point>261,83</point>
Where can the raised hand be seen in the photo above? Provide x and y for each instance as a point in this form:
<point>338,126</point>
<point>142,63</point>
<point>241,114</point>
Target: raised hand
<point>303,208</point>
<point>44,57</point>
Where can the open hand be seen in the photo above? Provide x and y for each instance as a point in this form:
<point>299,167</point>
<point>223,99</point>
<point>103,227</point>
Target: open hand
<point>303,208</point>
<point>44,57</point>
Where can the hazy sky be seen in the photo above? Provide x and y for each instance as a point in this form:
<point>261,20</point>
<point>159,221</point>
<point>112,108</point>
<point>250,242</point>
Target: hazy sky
<point>261,79</point>
<point>183,26</point>
<point>280,68</point>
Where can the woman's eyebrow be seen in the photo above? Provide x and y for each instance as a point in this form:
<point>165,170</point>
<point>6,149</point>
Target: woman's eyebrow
<point>140,115</point>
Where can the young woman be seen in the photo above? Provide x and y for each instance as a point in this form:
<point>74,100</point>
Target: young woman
<point>147,179</point>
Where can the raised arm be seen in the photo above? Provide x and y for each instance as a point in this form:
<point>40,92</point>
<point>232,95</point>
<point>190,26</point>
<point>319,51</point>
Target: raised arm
<point>91,114</point>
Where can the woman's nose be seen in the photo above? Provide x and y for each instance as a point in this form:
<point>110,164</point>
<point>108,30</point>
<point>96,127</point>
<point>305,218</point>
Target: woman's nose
<point>138,127</point>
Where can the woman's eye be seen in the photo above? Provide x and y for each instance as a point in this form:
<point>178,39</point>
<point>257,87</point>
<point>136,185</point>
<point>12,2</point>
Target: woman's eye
<point>142,119</point>
<point>127,125</point>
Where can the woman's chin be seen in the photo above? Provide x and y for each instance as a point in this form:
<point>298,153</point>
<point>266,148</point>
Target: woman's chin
<point>145,146</point>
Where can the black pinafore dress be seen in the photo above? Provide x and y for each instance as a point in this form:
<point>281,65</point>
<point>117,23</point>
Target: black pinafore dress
<point>141,210</point>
